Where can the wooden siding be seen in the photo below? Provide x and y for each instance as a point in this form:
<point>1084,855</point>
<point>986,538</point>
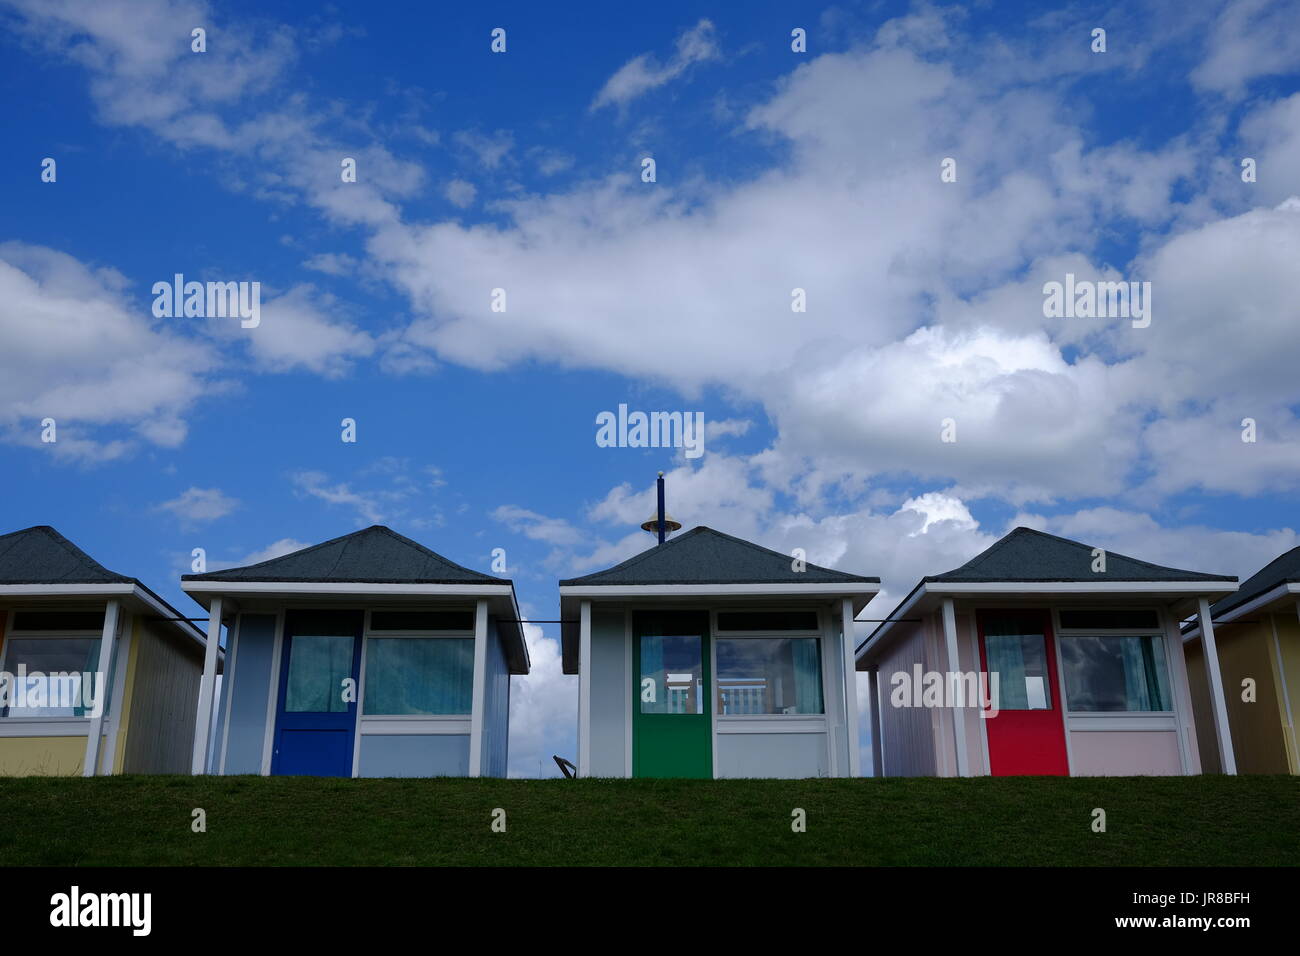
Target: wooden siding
<point>164,696</point>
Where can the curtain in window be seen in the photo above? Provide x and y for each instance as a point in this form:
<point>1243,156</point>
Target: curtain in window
<point>1144,676</point>
<point>318,665</point>
<point>419,676</point>
<point>652,667</point>
<point>1006,658</point>
<point>807,676</point>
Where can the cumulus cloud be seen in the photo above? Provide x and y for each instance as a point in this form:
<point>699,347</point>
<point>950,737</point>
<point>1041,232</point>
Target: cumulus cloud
<point>79,351</point>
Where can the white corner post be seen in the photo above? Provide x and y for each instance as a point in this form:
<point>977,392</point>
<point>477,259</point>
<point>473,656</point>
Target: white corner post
<point>480,690</point>
<point>954,671</point>
<point>584,689</point>
<point>1227,760</point>
<point>90,766</point>
<point>873,706</point>
<point>850,688</point>
<point>207,686</point>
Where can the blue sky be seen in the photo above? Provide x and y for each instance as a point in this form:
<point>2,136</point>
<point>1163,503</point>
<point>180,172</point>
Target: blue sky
<point>775,170</point>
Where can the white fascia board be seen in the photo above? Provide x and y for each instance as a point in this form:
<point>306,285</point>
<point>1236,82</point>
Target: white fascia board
<point>1285,589</point>
<point>66,590</point>
<point>348,588</point>
<point>1082,587</point>
<point>856,589</point>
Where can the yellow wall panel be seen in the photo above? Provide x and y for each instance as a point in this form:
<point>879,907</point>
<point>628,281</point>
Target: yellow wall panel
<point>42,756</point>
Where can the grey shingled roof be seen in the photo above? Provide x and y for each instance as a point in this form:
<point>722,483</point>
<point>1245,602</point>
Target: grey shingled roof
<point>705,556</point>
<point>40,555</point>
<point>1028,555</point>
<point>1284,569</point>
<point>374,555</point>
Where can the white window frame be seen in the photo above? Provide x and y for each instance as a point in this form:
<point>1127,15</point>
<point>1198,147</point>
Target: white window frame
<point>788,723</point>
<point>50,726</point>
<point>1157,631</point>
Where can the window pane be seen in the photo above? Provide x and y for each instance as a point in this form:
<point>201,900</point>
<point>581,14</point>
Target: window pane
<point>1016,650</point>
<point>419,675</point>
<point>777,675</point>
<point>1120,619</point>
<point>422,620</point>
<point>767,620</point>
<point>318,666</point>
<point>1116,673</point>
<point>53,685</point>
<point>671,675</point>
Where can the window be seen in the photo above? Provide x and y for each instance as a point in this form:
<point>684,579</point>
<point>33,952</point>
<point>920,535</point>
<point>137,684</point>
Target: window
<point>672,674</point>
<point>318,665</point>
<point>767,620</point>
<point>55,682</point>
<point>762,675</point>
<point>1016,650</point>
<point>425,676</point>
<point>1116,673</point>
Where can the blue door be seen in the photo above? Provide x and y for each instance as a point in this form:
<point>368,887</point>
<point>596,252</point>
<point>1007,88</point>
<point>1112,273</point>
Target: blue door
<point>316,714</point>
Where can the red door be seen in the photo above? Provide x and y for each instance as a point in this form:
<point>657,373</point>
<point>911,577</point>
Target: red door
<point>1027,735</point>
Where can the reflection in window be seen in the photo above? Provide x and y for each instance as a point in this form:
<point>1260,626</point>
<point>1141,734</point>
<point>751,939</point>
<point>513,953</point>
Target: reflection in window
<point>671,675</point>
<point>769,676</point>
<point>318,665</point>
<point>419,675</point>
<point>1120,673</point>
<point>1016,651</point>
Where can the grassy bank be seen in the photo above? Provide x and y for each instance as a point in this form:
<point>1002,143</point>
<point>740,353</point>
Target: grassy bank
<point>1155,821</point>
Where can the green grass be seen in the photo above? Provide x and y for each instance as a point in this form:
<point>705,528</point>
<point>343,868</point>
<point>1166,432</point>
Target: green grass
<point>1032,821</point>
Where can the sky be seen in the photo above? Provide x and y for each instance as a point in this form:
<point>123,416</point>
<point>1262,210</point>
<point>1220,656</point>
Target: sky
<point>775,169</point>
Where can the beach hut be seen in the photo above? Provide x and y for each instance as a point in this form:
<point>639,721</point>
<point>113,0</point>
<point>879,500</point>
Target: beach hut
<point>710,656</point>
<point>1042,656</point>
<point>98,674</point>
<point>1257,637</point>
<point>365,656</point>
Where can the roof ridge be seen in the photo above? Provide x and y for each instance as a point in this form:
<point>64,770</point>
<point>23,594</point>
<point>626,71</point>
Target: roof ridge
<point>648,552</point>
<point>403,539</point>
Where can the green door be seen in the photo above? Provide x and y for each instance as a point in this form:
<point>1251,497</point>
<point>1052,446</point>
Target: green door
<point>672,723</point>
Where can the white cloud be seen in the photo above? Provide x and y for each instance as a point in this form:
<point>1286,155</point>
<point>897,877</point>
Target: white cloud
<point>1250,39</point>
<point>77,350</point>
<point>196,506</point>
<point>332,263</point>
<point>538,527</point>
<point>488,149</point>
<point>302,329</point>
<point>643,73</point>
<point>460,193</point>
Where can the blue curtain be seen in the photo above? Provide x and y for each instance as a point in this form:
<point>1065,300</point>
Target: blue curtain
<point>1006,658</point>
<point>652,666</point>
<point>419,676</point>
<point>807,675</point>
